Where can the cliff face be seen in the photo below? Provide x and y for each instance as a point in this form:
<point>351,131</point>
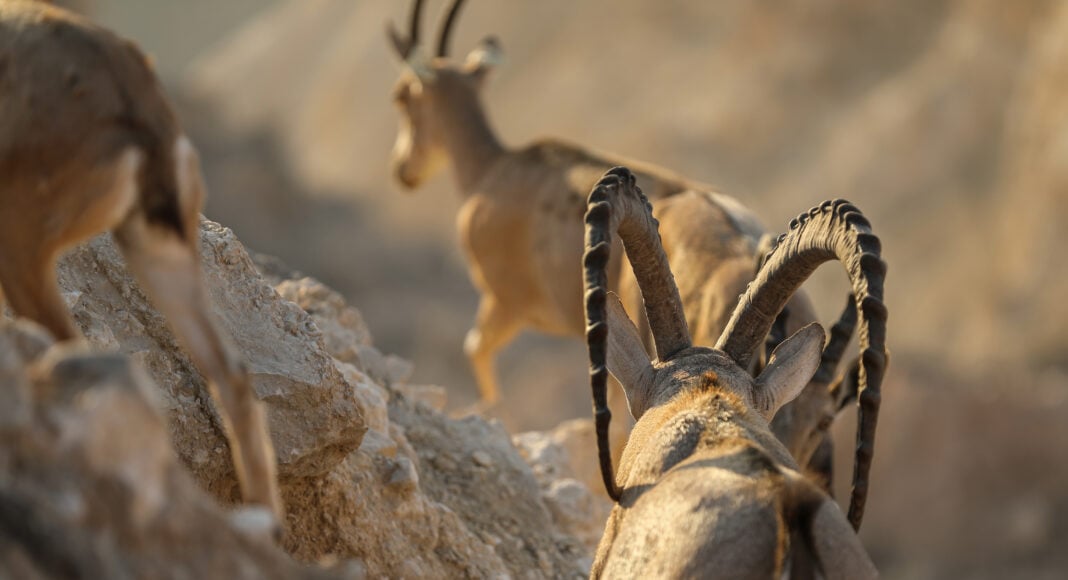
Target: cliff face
<point>113,452</point>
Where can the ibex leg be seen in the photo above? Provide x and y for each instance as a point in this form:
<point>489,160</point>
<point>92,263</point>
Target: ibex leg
<point>493,330</point>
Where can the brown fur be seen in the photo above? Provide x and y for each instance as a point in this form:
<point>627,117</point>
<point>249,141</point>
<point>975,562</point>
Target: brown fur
<point>89,143</point>
<point>521,230</point>
<point>704,464</point>
<point>521,221</point>
<point>704,489</point>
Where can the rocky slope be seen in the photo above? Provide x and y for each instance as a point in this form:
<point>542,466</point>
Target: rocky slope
<point>90,486</point>
<point>114,464</point>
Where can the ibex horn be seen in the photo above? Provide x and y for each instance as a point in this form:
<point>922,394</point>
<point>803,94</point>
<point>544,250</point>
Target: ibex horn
<point>405,46</point>
<point>617,205</point>
<point>446,27</point>
<point>833,230</point>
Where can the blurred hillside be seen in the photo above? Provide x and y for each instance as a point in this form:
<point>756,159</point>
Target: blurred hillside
<point>916,111</point>
<point>943,120</point>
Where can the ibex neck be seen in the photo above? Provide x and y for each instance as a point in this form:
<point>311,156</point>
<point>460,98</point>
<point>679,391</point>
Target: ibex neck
<point>471,144</point>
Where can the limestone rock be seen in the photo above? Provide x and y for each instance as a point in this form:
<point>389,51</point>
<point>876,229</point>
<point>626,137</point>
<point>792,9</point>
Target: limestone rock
<point>345,334</point>
<point>564,460</point>
<point>89,484</point>
<point>314,415</point>
<point>432,396</point>
<point>376,482</point>
<point>424,495</point>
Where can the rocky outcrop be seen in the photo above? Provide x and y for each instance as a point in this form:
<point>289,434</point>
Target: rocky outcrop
<point>313,412</point>
<point>90,486</point>
<point>565,464</point>
<point>425,495</point>
<point>110,460</point>
<point>344,332</point>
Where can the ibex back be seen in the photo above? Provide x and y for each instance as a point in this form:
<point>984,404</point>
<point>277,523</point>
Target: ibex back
<point>88,143</point>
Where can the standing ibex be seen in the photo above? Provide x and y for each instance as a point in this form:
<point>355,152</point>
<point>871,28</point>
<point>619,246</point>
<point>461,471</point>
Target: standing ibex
<point>521,224</point>
<point>704,488</point>
<point>88,143</point>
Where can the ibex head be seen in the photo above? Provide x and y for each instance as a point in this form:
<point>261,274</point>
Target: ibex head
<point>834,230</point>
<point>682,367</point>
<point>434,96</point>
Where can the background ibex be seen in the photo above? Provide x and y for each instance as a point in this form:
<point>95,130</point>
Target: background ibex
<point>704,488</point>
<point>520,224</point>
<point>88,143</point>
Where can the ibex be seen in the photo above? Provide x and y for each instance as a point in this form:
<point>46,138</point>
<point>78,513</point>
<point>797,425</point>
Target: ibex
<point>521,224</point>
<point>88,143</point>
<point>704,488</point>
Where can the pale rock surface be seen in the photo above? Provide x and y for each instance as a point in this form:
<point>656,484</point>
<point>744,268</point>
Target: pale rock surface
<point>90,486</point>
<point>565,464</point>
<point>313,413</point>
<point>377,482</point>
<point>425,495</point>
<point>344,331</point>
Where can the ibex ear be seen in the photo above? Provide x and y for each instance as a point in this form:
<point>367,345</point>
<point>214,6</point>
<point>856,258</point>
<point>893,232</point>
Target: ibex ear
<point>789,369</point>
<point>483,58</point>
<point>627,360</point>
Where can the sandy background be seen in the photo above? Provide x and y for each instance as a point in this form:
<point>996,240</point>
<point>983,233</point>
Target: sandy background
<point>943,120</point>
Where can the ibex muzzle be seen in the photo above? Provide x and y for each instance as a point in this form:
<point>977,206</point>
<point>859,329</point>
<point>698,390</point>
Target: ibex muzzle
<point>438,102</point>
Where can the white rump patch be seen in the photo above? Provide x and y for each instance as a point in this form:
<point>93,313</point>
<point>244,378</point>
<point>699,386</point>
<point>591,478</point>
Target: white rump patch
<point>187,170</point>
<point>125,189</point>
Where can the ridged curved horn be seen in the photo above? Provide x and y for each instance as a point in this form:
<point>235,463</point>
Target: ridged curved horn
<point>446,27</point>
<point>405,46</point>
<point>841,333</point>
<point>617,205</point>
<point>778,328</point>
<point>835,229</point>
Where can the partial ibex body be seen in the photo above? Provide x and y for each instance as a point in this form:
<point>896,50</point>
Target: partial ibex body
<point>704,488</point>
<point>709,492</point>
<point>88,143</point>
<point>521,230</point>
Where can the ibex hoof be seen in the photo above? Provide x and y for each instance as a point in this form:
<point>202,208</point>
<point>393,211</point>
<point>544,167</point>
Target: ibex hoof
<point>257,521</point>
